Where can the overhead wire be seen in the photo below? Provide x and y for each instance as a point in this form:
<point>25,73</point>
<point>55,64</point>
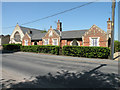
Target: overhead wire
<point>52,15</point>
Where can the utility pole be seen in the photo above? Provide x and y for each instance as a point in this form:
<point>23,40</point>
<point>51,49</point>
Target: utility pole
<point>112,31</point>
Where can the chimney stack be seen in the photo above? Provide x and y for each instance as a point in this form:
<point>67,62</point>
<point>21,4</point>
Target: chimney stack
<point>50,27</point>
<point>109,27</point>
<point>59,25</point>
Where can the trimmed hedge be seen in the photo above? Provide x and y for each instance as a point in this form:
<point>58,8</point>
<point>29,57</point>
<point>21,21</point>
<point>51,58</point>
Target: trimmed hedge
<point>41,49</point>
<point>116,46</point>
<point>12,47</point>
<point>83,51</point>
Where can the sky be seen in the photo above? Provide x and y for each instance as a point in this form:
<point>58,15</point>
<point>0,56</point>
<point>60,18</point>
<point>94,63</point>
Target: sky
<point>78,19</point>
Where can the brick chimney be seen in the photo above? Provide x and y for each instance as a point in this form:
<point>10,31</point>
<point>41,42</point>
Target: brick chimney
<point>59,25</point>
<point>109,27</point>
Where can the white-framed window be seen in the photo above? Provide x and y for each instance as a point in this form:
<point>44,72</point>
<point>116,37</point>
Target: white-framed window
<point>55,41</point>
<point>26,42</point>
<point>50,33</point>
<point>46,41</point>
<point>94,41</point>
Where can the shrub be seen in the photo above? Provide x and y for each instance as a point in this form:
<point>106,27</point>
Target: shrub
<point>89,52</point>
<point>116,46</point>
<point>41,49</point>
<point>12,47</point>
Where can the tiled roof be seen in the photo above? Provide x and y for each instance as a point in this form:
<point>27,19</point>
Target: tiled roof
<point>36,34</point>
<point>1,36</point>
<point>57,31</point>
<point>73,34</point>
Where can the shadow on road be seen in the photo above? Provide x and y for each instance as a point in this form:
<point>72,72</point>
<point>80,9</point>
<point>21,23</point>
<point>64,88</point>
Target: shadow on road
<point>66,79</point>
<point>6,51</point>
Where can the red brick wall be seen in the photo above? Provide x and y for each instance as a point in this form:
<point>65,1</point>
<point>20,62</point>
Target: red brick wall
<point>68,43</point>
<point>80,43</point>
<point>26,37</point>
<point>40,43</point>
<point>63,43</point>
<point>32,43</point>
<point>95,32</point>
<point>54,35</point>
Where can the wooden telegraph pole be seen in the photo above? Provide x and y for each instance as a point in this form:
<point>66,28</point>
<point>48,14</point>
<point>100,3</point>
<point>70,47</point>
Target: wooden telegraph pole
<point>112,31</point>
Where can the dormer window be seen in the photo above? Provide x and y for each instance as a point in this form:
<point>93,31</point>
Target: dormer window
<point>50,33</point>
<point>29,31</point>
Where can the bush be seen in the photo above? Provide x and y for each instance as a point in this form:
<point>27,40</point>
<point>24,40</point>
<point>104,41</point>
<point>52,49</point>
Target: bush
<point>41,49</point>
<point>89,52</point>
<point>12,47</point>
<point>116,46</point>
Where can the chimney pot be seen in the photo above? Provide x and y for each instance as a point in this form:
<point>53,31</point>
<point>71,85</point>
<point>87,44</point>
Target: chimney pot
<point>109,19</point>
<point>59,25</point>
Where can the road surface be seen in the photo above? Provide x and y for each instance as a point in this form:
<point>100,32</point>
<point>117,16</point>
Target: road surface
<point>22,66</point>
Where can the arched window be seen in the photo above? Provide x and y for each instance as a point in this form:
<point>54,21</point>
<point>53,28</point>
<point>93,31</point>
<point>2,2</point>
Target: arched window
<point>17,37</point>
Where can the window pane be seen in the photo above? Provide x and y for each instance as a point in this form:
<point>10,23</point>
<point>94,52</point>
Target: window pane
<point>46,41</point>
<point>54,41</point>
<point>17,37</point>
<point>94,42</point>
<point>26,42</point>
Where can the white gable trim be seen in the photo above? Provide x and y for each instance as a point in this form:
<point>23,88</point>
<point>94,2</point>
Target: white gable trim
<point>28,35</point>
<point>17,28</point>
<point>72,42</point>
<point>52,32</point>
<point>57,33</point>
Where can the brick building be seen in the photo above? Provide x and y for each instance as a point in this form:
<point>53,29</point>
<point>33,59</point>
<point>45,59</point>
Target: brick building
<point>4,39</point>
<point>94,36</point>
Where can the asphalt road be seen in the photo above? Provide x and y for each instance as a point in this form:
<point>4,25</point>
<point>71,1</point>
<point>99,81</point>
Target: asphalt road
<point>26,66</point>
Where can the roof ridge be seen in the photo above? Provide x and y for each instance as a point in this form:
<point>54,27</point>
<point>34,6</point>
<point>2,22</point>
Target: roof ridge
<point>75,30</point>
<point>32,28</point>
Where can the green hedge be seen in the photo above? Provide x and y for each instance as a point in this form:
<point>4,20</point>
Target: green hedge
<point>41,49</point>
<point>89,52</point>
<point>116,46</point>
<point>12,47</point>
